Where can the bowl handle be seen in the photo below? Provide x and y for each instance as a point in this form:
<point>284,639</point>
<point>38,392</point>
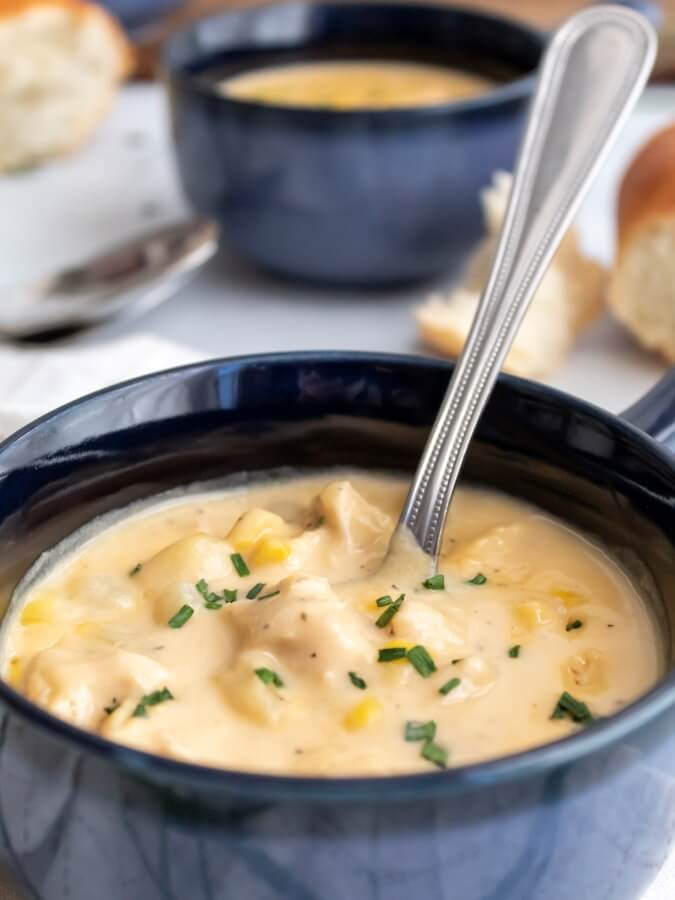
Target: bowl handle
<point>655,412</point>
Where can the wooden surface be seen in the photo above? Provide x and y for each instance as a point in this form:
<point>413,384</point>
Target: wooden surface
<point>545,13</point>
<point>542,13</point>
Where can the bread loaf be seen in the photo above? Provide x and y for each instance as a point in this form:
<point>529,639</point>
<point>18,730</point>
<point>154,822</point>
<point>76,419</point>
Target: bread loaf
<point>642,285</point>
<point>568,299</point>
<point>61,62</point>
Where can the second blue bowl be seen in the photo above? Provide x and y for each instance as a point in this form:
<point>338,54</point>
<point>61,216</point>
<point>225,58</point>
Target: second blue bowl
<point>366,196</point>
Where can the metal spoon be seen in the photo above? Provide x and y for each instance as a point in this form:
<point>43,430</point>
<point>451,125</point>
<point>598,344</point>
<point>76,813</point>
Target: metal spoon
<point>591,76</point>
<point>124,282</point>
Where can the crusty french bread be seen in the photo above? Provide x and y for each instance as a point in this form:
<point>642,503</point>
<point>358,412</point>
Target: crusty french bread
<point>642,285</point>
<point>61,62</point>
<point>569,298</point>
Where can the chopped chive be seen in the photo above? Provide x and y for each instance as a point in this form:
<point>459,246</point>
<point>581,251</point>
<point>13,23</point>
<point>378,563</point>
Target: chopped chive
<point>421,660</point>
<point>269,676</point>
<point>239,565</point>
<point>115,704</point>
<point>389,654</point>
<point>449,686</point>
<point>181,617</point>
<point>384,601</point>
<point>572,626</point>
<point>267,596</point>
<point>435,754</point>
<point>213,600</point>
<point>152,699</point>
<point>255,590</point>
<point>136,569</point>
<point>477,579</point>
<point>385,618</point>
<point>435,583</point>
<point>514,652</point>
<point>357,681</point>
<point>420,731</point>
<point>209,597</point>
<point>568,705</point>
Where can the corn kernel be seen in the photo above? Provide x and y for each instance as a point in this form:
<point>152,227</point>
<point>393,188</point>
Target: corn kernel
<point>365,713</point>
<point>252,527</point>
<point>532,614</point>
<point>568,598</point>
<point>271,550</point>
<point>39,610</point>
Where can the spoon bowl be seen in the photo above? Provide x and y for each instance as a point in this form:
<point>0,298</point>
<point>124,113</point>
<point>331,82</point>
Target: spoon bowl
<point>126,281</point>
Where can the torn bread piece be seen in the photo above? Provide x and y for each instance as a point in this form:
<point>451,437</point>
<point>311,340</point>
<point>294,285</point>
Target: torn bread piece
<point>568,299</point>
<point>61,63</point>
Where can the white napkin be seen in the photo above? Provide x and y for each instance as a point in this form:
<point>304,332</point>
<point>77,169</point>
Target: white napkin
<point>34,381</point>
<point>663,886</point>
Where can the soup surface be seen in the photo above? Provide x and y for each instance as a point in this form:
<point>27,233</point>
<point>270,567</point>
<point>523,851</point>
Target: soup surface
<point>256,628</point>
<point>355,85</point>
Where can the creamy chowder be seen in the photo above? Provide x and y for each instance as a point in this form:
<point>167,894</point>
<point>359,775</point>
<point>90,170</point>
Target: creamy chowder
<point>356,84</point>
<point>257,629</point>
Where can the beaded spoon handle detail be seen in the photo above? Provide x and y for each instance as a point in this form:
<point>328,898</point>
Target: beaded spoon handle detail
<point>591,75</point>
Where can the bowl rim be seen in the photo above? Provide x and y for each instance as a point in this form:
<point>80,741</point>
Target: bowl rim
<point>501,95</point>
<point>535,761</point>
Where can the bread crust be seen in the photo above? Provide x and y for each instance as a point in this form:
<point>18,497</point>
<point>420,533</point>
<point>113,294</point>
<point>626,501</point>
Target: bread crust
<point>648,188</point>
<point>81,9</point>
<point>641,291</point>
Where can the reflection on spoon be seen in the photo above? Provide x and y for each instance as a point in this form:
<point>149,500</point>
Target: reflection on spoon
<point>124,282</point>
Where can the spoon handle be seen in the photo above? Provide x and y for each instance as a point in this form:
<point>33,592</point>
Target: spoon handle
<point>591,76</point>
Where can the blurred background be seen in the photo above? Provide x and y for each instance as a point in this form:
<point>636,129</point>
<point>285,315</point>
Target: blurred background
<point>544,14</point>
<point>302,225</point>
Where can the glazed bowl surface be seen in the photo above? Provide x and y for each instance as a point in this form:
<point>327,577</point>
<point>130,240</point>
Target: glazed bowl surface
<point>347,196</point>
<point>592,815</point>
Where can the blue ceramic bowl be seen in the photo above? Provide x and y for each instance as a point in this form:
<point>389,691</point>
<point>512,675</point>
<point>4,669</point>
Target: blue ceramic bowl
<point>587,817</point>
<point>367,196</point>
